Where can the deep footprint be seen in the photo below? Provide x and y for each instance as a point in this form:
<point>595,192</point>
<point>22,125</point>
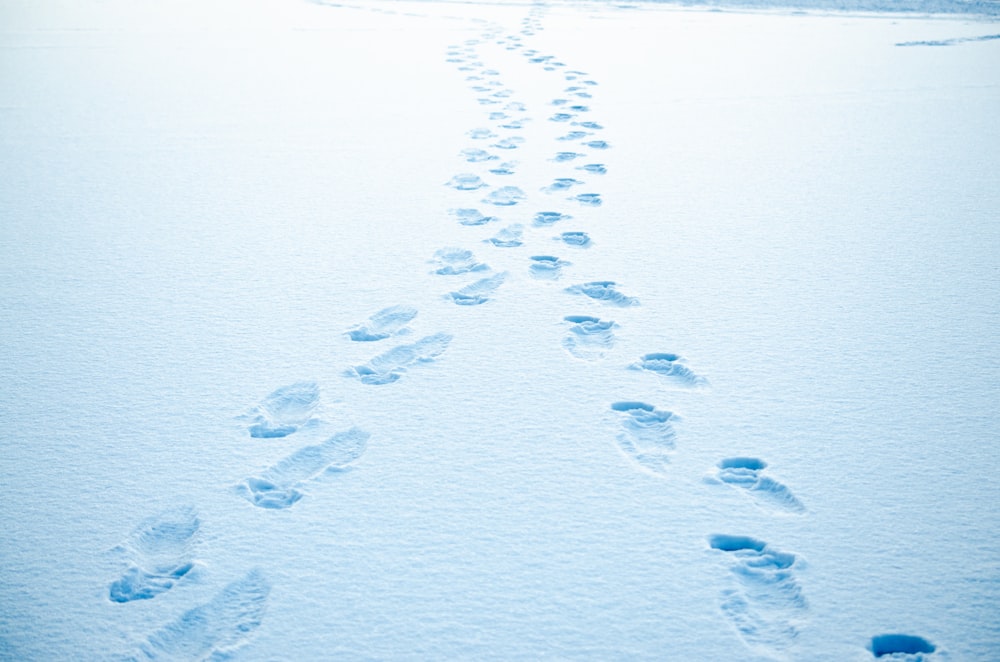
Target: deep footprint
<point>284,411</point>
<point>766,607</point>
<point>216,629</point>
<point>479,292</point>
<point>671,368</point>
<point>159,553</point>
<point>384,324</point>
<point>647,436</point>
<point>603,290</point>
<point>745,473</point>
<point>390,366</point>
<point>280,486</point>
<point>589,338</point>
<point>901,646</point>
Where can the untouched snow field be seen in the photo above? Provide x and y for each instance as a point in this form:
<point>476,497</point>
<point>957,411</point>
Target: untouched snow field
<point>432,330</point>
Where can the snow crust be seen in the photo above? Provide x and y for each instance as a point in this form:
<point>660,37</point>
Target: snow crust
<point>434,330</point>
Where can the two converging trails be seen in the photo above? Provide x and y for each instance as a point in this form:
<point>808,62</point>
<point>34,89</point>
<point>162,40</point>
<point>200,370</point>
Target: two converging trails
<point>434,330</point>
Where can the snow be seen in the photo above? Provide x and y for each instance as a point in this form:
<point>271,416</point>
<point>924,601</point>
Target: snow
<point>720,383</point>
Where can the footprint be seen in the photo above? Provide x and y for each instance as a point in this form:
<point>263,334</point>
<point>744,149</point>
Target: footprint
<point>671,368</point>
<point>745,473</point>
<point>547,267</point>
<point>574,135</point>
<point>385,323</point>
<point>901,647</point>
<point>479,292</point>
<point>498,116</point>
<point>390,366</point>
<point>580,109</point>
<point>547,218</point>
<point>509,237</point>
<point>647,435</point>
<point>603,290</point>
<point>159,553</point>
<point>478,155</point>
<point>455,261</point>
<point>596,168</point>
<point>766,607</point>
<point>561,117</point>
<point>589,338</point>
<point>509,143</point>
<point>481,133</point>
<point>561,184</point>
<point>466,182</point>
<point>559,102</point>
<point>577,239</point>
<point>562,157</point>
<point>467,216</point>
<point>279,486</point>
<point>589,199</point>
<point>505,168</point>
<point>596,144</point>
<point>217,628</point>
<point>514,125</point>
<point>515,107</point>
<point>505,196</point>
<point>284,411</point>
<point>589,125</point>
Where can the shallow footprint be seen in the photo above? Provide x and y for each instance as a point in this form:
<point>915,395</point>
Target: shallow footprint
<point>575,239</point>
<point>479,292</point>
<point>603,290</point>
<point>561,184</point>
<point>595,168</point>
<point>505,196</point>
<point>284,411</point>
<point>562,157</point>
<point>389,366</point>
<point>467,216</point>
<point>547,218</point>
<point>671,368</point>
<point>454,261</point>
<point>478,155</point>
<point>159,553</point>
<point>217,628</point>
<point>588,199</point>
<point>466,182</point>
<point>505,168</point>
<point>547,267</point>
<point>384,324</point>
<point>744,473</point>
<point>589,338</point>
<point>647,435</point>
<point>509,237</point>
<point>766,607</point>
<point>279,486</point>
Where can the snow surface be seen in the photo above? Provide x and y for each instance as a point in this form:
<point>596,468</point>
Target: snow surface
<point>706,369</point>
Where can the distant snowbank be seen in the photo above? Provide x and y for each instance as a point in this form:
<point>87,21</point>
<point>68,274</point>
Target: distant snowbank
<point>964,7</point>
